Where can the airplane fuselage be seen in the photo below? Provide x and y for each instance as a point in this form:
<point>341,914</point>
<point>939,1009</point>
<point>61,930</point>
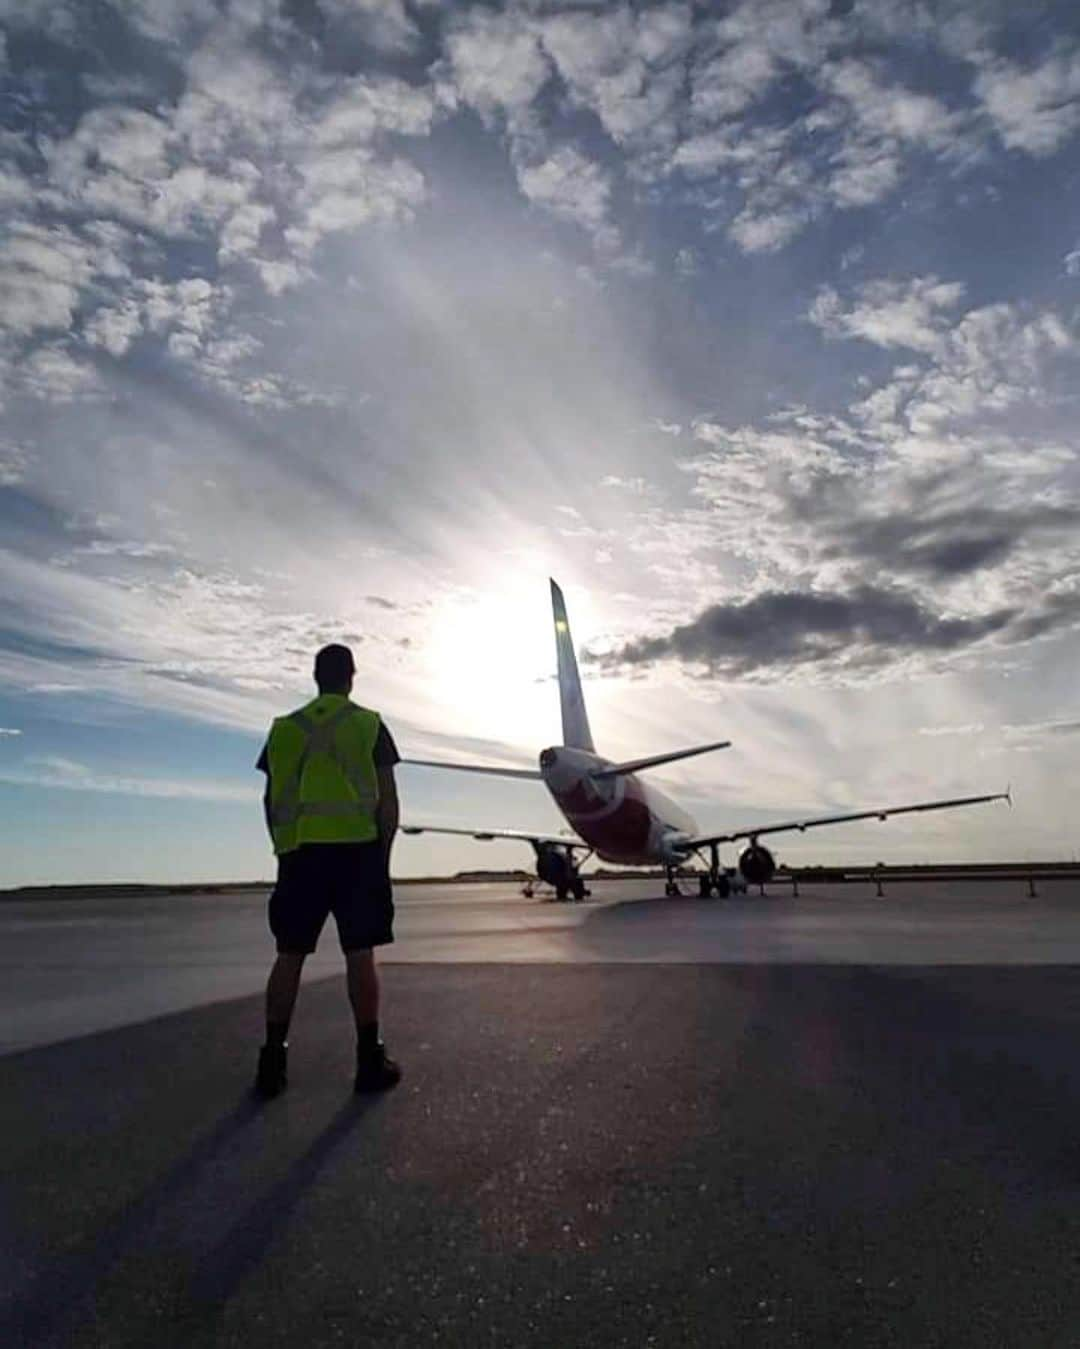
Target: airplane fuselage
<point>625,821</point>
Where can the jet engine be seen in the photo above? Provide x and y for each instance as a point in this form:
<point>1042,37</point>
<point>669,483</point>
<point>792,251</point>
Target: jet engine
<point>673,849</point>
<point>757,865</point>
<point>554,866</point>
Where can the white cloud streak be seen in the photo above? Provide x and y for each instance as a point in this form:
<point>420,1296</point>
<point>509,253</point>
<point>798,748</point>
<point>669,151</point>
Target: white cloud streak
<point>54,771</point>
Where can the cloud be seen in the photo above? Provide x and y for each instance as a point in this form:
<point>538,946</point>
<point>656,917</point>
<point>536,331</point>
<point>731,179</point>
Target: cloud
<point>768,232</point>
<point>965,730</point>
<point>936,515</point>
<point>687,262</point>
<point>637,486</point>
<point>989,361</point>
<point>627,68</point>
<point>1035,108</point>
<point>43,270</point>
<point>15,187</point>
<point>1040,729</point>
<point>494,62</point>
<point>172,20</point>
<point>912,314</point>
<point>885,111</point>
<point>259,158</point>
<point>349,188</point>
<point>53,373</point>
<point>943,543</point>
<point>383,24</point>
<point>54,771</point>
<point>570,186</point>
<point>864,175</point>
<point>140,169</point>
<point>243,230</point>
<point>114,327</point>
<point>135,620</point>
<point>777,632</point>
<point>864,130</point>
<point>621,66</point>
<point>13,464</point>
<point>366,107</point>
<point>57,21</point>
<point>155,225</point>
<point>9,731</point>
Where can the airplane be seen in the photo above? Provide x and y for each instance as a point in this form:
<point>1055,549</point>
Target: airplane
<point>624,821</point>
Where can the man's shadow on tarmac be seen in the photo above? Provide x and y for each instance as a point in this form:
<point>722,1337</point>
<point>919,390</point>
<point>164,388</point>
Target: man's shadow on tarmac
<point>39,1317</point>
<point>221,1270</point>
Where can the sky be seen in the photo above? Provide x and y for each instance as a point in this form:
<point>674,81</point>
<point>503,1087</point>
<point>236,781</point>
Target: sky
<point>756,325</point>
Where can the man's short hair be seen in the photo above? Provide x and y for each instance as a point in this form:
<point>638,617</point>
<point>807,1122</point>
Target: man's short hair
<point>334,666</point>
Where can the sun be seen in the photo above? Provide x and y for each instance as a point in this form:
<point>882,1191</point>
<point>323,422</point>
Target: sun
<point>491,660</point>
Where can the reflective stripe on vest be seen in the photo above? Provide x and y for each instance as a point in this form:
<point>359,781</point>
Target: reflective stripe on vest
<point>288,808</point>
<point>338,808</point>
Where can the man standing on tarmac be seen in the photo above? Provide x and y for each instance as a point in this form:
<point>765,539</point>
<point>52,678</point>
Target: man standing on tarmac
<point>332,811</point>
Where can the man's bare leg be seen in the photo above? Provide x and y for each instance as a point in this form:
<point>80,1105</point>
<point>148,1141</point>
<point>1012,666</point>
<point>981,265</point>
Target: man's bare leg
<point>281,990</point>
<point>363,984</point>
<point>374,1071</point>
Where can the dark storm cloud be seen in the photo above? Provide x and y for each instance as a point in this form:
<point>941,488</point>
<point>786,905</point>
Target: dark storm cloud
<point>1056,611</point>
<point>778,631</point>
<point>946,545</point>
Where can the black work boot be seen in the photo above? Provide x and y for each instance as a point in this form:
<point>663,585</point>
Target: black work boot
<point>271,1079</point>
<point>374,1071</point>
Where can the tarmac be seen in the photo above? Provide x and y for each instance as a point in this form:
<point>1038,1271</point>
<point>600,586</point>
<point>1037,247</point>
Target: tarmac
<point>831,1119</point>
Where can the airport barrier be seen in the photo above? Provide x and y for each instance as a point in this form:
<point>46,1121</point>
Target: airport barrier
<point>1028,873</point>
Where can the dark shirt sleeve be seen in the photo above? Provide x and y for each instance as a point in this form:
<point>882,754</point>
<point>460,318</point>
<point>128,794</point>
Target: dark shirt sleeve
<point>262,763</point>
<point>385,752</point>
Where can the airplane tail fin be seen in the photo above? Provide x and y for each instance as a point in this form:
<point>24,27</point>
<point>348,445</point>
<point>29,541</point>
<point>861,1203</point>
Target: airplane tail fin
<point>575,720</point>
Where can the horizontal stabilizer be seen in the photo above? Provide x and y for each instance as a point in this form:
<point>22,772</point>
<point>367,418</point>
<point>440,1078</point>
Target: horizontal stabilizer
<point>654,760</point>
<point>488,835</point>
<point>477,768</point>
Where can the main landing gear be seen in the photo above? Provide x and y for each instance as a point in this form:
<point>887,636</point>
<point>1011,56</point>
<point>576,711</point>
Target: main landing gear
<point>576,890</point>
<point>715,880</point>
<point>556,866</point>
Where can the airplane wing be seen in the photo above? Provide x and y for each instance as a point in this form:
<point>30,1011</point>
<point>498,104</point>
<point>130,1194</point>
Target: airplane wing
<point>486,835</point>
<point>704,840</point>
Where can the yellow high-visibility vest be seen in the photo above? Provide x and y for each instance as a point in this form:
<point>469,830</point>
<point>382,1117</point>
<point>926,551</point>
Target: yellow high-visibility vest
<point>323,787</point>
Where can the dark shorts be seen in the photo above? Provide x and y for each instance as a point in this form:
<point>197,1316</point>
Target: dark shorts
<point>348,880</point>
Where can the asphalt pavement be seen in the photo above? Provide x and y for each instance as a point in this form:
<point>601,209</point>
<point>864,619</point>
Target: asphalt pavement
<point>639,1152</point>
<point>73,966</point>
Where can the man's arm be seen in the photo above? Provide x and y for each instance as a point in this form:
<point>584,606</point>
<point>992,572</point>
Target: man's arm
<point>262,764</point>
<point>387,813</point>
